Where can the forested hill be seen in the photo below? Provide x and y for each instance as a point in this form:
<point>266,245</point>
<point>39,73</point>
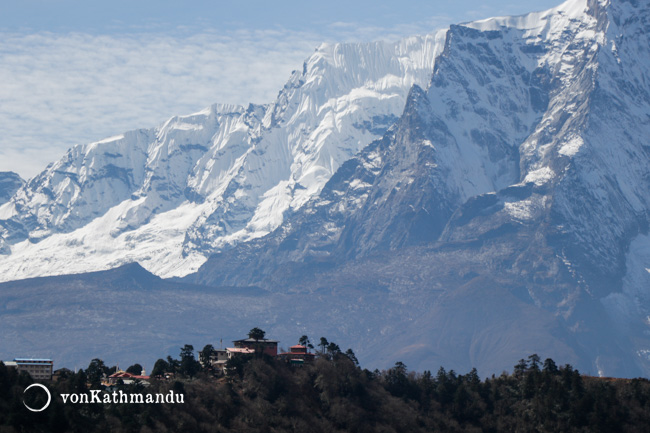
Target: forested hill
<point>333,394</point>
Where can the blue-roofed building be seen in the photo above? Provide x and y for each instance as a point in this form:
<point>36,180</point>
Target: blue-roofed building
<point>38,368</point>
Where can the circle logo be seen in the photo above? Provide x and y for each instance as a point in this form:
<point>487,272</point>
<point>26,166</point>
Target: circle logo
<point>47,391</point>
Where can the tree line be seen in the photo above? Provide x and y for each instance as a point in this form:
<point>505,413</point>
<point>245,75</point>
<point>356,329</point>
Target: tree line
<point>335,394</point>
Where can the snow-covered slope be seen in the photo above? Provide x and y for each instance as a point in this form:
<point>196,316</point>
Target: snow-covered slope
<point>168,197</point>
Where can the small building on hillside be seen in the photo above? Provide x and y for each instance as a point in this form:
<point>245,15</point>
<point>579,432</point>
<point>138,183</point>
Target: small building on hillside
<point>269,347</point>
<point>297,355</point>
<point>217,359</point>
<point>38,369</point>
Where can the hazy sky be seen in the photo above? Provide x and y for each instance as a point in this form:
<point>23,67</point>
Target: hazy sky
<point>76,71</point>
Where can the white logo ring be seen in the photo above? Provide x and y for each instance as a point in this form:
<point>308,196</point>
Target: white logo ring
<point>49,397</point>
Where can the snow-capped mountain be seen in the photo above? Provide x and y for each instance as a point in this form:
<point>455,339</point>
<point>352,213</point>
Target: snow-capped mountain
<point>168,197</point>
<point>535,106</point>
<point>464,199</point>
<point>519,177</point>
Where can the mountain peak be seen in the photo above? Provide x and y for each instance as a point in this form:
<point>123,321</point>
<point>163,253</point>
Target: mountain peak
<point>519,177</point>
<point>202,183</point>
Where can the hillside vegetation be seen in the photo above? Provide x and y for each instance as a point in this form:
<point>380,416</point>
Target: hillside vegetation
<point>333,394</point>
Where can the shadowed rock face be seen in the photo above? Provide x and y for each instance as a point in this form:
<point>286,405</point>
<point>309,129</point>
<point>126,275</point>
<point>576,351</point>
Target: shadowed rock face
<point>9,184</point>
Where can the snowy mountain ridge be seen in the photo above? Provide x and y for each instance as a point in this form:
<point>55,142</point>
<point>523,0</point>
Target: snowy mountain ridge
<point>522,170</point>
<point>168,197</point>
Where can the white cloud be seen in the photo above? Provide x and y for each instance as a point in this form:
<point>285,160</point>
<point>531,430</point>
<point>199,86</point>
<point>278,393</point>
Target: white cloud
<point>59,90</point>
